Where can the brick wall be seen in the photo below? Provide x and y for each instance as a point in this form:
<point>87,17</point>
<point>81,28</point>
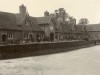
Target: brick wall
<point>14,51</point>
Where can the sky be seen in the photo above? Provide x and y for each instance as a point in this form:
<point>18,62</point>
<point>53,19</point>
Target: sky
<point>89,9</point>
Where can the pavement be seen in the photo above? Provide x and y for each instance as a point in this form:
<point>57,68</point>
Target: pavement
<point>84,61</point>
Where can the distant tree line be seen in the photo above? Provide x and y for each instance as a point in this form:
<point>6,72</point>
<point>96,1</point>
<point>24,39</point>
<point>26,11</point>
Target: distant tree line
<point>61,15</point>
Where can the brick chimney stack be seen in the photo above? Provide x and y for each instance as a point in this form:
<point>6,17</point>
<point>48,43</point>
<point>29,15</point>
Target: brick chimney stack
<point>46,13</point>
<point>22,9</point>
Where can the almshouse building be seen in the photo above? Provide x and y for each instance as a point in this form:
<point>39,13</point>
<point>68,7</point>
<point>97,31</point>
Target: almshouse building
<point>88,32</point>
<point>81,32</point>
<point>23,28</point>
<point>15,28</point>
<point>93,31</point>
<point>47,25</point>
<point>56,29</point>
<point>30,29</point>
<point>9,31</point>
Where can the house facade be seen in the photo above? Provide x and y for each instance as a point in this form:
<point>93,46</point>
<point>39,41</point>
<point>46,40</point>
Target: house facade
<point>55,28</point>
<point>16,28</point>
<point>47,26</point>
<point>80,32</point>
<point>9,31</point>
<point>23,28</point>
<point>93,31</point>
<point>88,32</point>
<point>31,32</point>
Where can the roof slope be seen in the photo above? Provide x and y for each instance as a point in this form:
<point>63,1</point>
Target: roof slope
<point>93,27</point>
<point>33,22</point>
<point>89,27</point>
<point>8,21</point>
<point>19,19</point>
<point>44,20</point>
<point>35,26</point>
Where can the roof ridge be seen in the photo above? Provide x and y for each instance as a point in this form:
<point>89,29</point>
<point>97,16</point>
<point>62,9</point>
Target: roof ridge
<point>7,12</point>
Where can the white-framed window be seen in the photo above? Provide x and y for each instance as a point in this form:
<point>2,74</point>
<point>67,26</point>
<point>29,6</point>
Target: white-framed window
<point>4,36</point>
<point>51,28</point>
<point>10,35</point>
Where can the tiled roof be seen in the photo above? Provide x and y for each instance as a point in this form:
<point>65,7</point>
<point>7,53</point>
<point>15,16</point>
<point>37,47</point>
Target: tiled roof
<point>35,26</point>
<point>8,21</point>
<point>44,20</point>
<point>19,19</point>
<point>93,27</point>
<point>89,27</point>
<point>11,27</point>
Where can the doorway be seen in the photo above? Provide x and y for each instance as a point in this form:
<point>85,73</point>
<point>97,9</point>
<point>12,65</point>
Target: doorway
<point>51,37</point>
<point>31,38</point>
<point>4,37</point>
<point>37,38</point>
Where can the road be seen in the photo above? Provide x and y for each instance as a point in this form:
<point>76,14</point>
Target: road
<point>84,61</point>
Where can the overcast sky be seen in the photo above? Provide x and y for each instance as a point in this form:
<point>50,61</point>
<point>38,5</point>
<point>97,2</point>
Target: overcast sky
<point>77,8</point>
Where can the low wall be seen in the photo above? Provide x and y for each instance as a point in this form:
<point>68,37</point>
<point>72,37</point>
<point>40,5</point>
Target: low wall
<point>16,51</point>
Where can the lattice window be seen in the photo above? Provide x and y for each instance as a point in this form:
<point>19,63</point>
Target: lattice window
<point>10,35</point>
